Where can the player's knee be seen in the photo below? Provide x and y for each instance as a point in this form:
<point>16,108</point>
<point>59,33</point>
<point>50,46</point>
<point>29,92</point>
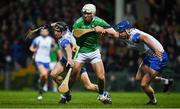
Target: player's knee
<point>44,76</point>
<point>144,85</point>
<point>138,78</point>
<point>101,77</point>
<point>53,74</point>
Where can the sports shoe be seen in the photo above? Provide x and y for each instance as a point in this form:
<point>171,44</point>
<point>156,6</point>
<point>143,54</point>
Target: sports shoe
<point>65,98</point>
<point>39,97</point>
<point>151,103</point>
<point>166,86</point>
<point>105,98</point>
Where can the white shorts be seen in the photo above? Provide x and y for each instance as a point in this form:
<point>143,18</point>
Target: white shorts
<point>52,65</point>
<point>92,57</point>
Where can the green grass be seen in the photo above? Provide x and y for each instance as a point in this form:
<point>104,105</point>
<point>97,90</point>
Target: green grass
<point>27,99</point>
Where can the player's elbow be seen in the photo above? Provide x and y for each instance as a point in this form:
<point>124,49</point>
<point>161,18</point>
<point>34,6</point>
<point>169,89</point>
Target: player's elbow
<point>144,85</point>
<point>30,48</point>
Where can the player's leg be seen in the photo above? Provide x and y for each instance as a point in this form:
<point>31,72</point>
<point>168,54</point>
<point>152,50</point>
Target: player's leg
<point>53,83</point>
<point>59,68</point>
<point>86,81</point>
<point>81,59</point>
<point>42,79</point>
<point>161,79</point>
<point>104,96</point>
<point>139,73</point>
<point>144,79</point>
<point>75,73</point>
<point>66,97</point>
<point>99,70</point>
<point>167,82</point>
<point>158,65</point>
<point>149,75</point>
<point>54,86</point>
<point>45,87</point>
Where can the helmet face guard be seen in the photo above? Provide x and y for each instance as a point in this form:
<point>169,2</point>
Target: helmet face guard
<point>60,27</point>
<point>123,25</point>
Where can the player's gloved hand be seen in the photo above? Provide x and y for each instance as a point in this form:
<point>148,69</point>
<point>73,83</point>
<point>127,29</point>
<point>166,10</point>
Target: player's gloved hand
<point>159,54</point>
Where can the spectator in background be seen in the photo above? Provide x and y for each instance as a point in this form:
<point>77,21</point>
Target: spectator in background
<point>18,54</point>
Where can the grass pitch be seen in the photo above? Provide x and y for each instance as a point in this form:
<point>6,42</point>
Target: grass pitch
<point>27,99</point>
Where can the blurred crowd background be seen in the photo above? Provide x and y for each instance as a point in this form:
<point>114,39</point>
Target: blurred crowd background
<point>17,70</point>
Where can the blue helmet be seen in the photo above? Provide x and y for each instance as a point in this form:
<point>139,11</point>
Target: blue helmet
<point>123,25</point>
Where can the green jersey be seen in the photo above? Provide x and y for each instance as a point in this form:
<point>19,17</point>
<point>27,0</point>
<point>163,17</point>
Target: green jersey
<point>54,54</point>
<point>89,42</point>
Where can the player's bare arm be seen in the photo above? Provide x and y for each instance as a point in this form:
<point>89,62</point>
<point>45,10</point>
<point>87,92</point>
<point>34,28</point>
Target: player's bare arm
<point>152,45</point>
<point>53,45</point>
<point>32,48</point>
<point>108,31</point>
<point>112,32</point>
<point>69,55</point>
<point>99,29</point>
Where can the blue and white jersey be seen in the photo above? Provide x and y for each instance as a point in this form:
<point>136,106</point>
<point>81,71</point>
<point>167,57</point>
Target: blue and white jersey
<point>65,40</point>
<point>135,42</point>
<point>44,45</point>
<point>151,59</point>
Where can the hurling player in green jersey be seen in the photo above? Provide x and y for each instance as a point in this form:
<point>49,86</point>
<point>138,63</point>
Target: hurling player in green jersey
<point>89,50</point>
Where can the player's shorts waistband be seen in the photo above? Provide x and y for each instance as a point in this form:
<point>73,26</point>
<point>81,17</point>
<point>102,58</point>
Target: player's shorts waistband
<point>45,64</point>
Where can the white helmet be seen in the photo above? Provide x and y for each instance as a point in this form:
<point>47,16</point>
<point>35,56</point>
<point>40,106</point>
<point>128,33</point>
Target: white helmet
<point>89,8</point>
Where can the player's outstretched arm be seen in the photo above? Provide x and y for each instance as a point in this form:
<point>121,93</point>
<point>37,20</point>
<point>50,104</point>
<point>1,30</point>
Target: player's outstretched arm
<point>112,32</point>
<point>108,31</point>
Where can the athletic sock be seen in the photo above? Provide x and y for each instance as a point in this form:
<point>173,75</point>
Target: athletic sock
<point>67,93</point>
<point>150,93</point>
<point>163,80</point>
<point>45,87</point>
<point>40,85</point>
<point>101,86</point>
<point>154,100</point>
